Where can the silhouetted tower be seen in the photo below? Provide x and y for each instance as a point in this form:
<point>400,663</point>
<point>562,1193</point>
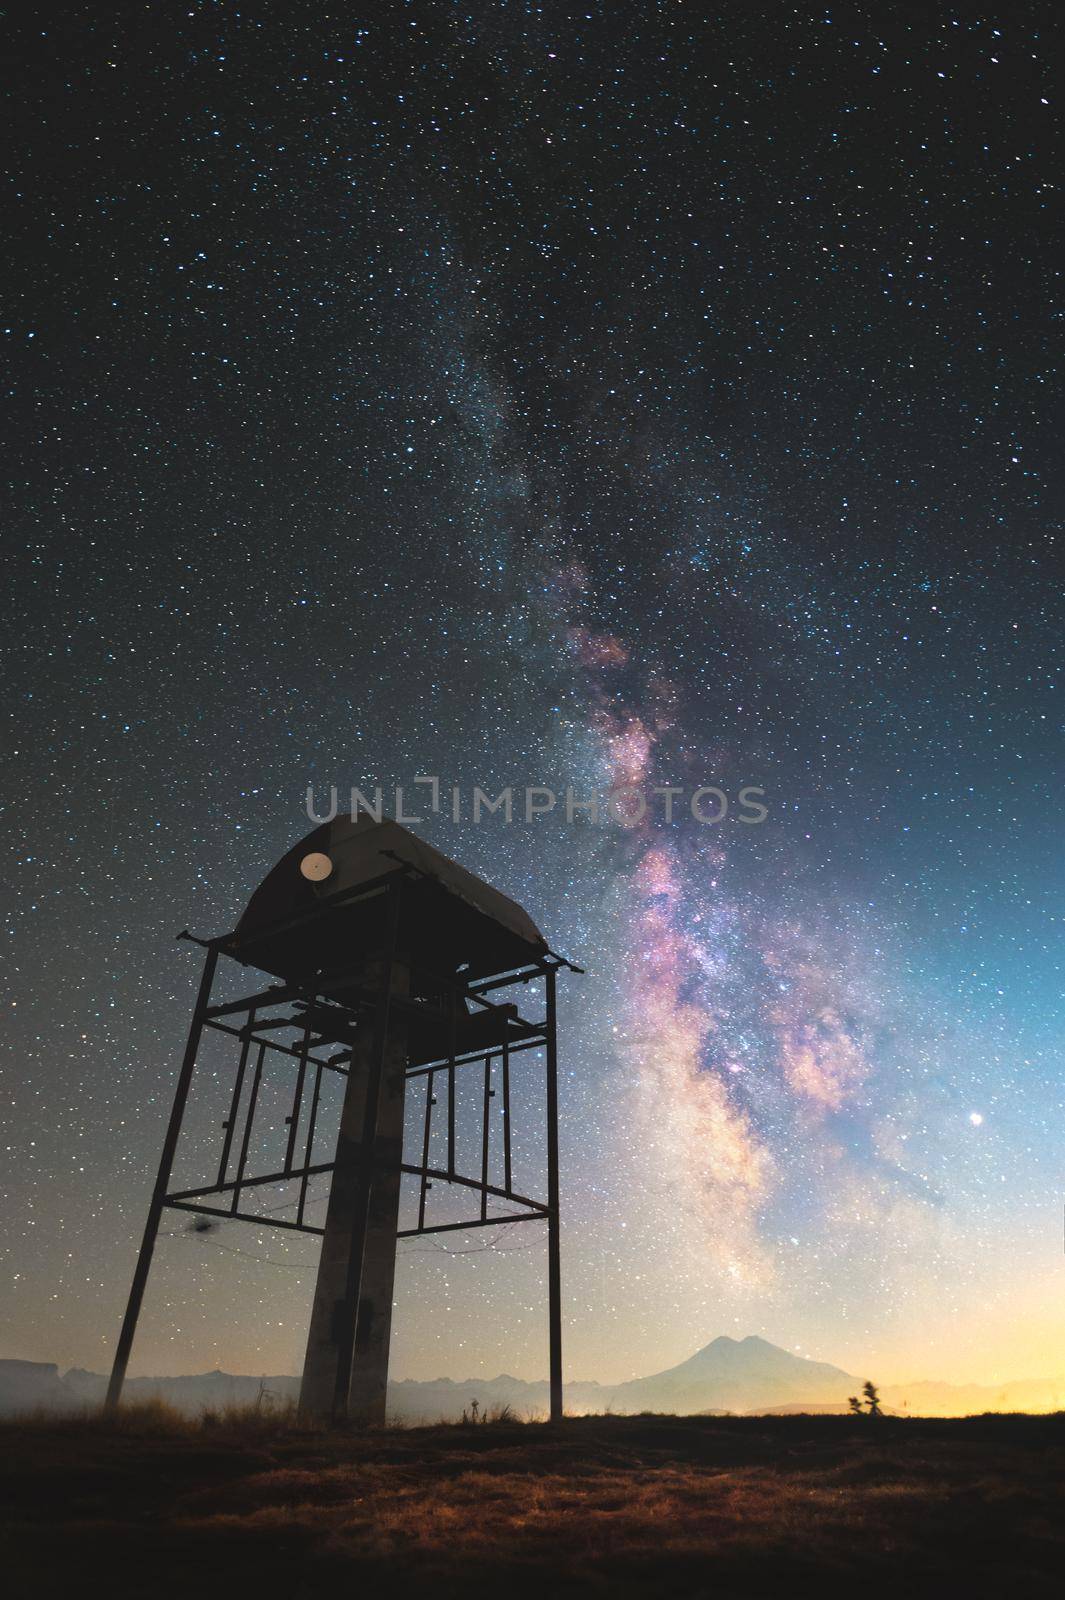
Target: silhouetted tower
<point>392,963</point>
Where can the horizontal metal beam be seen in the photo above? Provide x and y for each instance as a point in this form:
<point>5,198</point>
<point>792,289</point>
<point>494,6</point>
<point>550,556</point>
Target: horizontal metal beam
<point>273,1044</point>
<point>519,975</point>
<point>539,1043</point>
<point>253,1183</point>
<point>474,1183</point>
<point>477,1222</point>
<point>468,991</point>
<point>182,1195</point>
<point>279,994</point>
<point>242,1216</point>
<point>333,1063</point>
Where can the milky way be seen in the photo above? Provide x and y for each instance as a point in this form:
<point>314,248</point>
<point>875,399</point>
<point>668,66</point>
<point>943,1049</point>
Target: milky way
<point>626,396</point>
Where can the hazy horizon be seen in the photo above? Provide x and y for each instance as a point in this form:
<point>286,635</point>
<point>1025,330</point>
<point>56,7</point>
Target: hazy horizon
<point>885,1379</point>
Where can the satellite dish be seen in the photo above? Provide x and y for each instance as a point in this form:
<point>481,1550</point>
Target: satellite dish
<point>316,866</point>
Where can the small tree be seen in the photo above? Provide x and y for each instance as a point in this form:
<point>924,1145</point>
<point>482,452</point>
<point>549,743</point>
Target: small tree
<point>855,1405</point>
<point>872,1398</point>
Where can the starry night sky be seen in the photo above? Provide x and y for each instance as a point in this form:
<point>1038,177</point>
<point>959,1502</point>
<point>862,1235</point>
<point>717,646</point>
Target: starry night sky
<point>542,395</point>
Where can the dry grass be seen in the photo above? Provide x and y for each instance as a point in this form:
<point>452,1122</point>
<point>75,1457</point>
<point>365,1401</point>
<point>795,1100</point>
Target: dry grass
<point>155,1419</point>
<point>157,1505</point>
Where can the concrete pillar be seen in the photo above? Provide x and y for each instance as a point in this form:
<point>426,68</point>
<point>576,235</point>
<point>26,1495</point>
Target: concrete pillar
<point>327,1392</point>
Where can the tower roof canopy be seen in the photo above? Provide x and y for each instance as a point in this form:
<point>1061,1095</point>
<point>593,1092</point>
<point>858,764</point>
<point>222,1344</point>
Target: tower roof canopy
<point>321,909</point>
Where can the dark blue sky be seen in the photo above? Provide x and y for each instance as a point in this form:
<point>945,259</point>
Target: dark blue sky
<point>478,390</point>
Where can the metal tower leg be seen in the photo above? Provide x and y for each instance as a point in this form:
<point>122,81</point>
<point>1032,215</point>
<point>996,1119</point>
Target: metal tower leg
<point>162,1181</point>
<point>554,1272</point>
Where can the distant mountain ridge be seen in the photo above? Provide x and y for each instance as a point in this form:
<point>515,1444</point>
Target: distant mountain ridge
<point>728,1375</point>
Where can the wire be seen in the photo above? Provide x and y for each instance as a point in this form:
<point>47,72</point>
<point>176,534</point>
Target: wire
<point>495,1244</point>
<point>269,1261</point>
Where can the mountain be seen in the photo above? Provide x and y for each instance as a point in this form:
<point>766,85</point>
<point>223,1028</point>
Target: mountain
<point>203,1391</point>
<point>33,1386</point>
<point>728,1375</point>
<point>736,1375</point>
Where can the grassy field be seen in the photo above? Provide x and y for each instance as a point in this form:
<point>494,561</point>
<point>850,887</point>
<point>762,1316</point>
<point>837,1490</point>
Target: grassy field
<point>619,1506</point>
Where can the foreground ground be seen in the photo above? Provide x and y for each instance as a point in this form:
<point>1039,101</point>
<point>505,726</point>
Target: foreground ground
<point>625,1506</point>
